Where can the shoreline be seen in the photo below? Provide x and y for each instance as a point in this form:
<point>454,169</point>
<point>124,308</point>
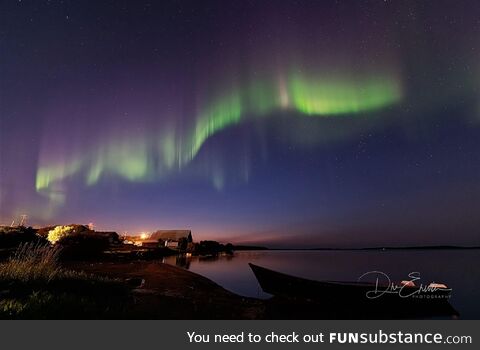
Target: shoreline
<point>154,290</point>
<point>170,292</point>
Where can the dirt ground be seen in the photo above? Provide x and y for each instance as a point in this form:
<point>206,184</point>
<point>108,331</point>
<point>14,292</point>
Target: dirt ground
<point>169,292</point>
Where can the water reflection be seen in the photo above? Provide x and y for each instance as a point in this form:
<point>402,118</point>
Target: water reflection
<point>452,267</point>
<point>184,260</point>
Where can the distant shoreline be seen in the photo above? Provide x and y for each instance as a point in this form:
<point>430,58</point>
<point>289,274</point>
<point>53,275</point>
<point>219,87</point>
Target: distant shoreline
<point>440,247</point>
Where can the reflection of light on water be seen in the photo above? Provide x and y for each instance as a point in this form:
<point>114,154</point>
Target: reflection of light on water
<point>450,267</point>
<point>229,271</point>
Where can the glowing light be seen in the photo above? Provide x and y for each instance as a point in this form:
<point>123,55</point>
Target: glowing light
<point>48,175</point>
<point>129,160</point>
<point>324,97</point>
<point>305,95</point>
<point>225,112</point>
<point>151,156</point>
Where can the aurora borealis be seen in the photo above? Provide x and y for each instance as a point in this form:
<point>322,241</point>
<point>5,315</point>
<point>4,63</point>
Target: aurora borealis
<point>326,123</point>
<point>130,160</point>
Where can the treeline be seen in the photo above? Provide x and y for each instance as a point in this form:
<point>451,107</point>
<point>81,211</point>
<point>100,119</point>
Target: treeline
<point>210,248</point>
<point>74,241</point>
<point>214,247</point>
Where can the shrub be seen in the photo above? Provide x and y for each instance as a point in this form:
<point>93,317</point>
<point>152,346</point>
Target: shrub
<point>182,243</point>
<point>83,245</point>
<point>58,233</point>
<point>11,237</point>
<point>43,231</point>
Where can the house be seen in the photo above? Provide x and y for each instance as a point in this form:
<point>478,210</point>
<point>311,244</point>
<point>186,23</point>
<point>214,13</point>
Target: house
<point>171,238</point>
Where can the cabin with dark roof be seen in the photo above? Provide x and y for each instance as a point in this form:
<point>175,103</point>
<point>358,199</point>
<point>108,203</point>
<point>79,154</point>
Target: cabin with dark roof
<point>170,238</point>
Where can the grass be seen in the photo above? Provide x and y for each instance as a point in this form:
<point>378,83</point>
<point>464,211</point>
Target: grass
<point>34,285</point>
<point>32,262</point>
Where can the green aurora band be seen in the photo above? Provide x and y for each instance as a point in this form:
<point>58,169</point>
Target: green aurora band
<point>133,159</point>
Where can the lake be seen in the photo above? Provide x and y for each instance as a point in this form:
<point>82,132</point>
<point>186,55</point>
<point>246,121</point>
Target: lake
<point>456,268</point>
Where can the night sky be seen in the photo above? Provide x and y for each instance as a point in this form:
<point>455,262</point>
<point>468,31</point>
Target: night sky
<point>285,123</point>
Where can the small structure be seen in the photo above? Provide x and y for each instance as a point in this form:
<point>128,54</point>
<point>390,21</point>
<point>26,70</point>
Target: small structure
<point>172,238</point>
<point>112,237</point>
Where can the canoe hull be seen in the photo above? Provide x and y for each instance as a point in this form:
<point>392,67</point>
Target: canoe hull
<point>352,296</point>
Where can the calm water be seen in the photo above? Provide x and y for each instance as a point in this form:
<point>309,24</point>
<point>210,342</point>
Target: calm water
<point>459,269</point>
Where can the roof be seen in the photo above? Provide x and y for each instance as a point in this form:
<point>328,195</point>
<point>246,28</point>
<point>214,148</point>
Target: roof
<point>173,235</point>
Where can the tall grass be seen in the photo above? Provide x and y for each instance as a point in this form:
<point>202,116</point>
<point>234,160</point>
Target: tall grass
<point>32,262</point>
<point>34,285</point>
<point>37,263</point>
